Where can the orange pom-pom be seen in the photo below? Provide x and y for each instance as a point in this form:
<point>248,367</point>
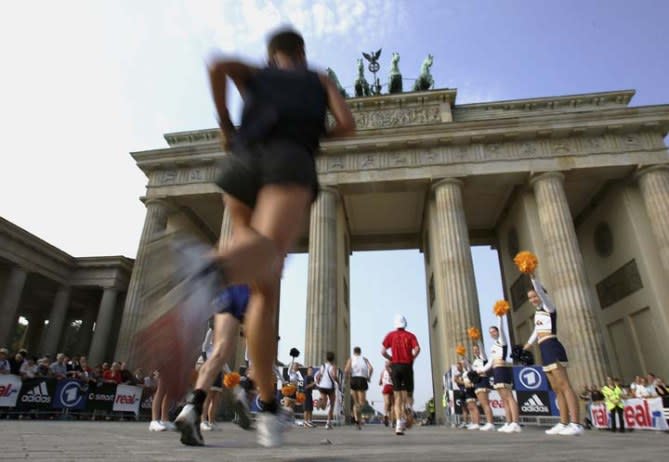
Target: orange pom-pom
<point>460,350</point>
<point>474,333</point>
<point>501,308</point>
<point>526,262</point>
<point>300,397</point>
<point>231,379</point>
<point>288,389</point>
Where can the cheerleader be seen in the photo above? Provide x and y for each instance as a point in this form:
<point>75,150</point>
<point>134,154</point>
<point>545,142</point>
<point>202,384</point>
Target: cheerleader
<point>554,359</point>
<point>502,376</point>
<point>458,374</point>
<point>482,386</point>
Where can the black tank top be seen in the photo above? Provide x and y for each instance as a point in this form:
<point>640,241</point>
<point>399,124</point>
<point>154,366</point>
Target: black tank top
<point>284,105</point>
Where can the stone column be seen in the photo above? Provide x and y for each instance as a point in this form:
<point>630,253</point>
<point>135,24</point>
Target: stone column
<point>103,326</point>
<point>154,223</point>
<point>321,333</point>
<point>86,331</point>
<point>57,316</point>
<point>9,304</point>
<point>569,289</point>
<point>654,186</point>
<point>36,333</point>
<point>226,228</point>
<point>459,306</point>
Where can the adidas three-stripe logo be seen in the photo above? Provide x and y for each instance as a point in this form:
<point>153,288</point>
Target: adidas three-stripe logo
<point>39,394</point>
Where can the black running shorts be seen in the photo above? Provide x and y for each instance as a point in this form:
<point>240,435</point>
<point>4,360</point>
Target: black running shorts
<point>402,377</point>
<point>359,384</point>
<point>247,169</point>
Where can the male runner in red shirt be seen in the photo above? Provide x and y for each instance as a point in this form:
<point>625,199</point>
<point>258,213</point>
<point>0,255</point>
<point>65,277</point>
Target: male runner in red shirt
<point>404,349</point>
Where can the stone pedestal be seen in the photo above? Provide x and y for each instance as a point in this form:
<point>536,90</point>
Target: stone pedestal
<point>57,316</point>
<point>9,304</point>
<point>569,287</point>
<point>321,333</point>
<point>103,326</point>
<point>154,223</point>
<point>455,284</point>
<point>654,186</point>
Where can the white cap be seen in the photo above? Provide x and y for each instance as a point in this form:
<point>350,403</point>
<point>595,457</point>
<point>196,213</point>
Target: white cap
<point>400,321</point>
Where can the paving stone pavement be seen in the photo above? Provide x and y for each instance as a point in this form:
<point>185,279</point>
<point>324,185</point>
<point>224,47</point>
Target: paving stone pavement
<point>57,441</point>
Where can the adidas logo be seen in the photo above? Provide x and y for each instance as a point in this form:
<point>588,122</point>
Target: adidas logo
<point>535,405</point>
<point>39,394</point>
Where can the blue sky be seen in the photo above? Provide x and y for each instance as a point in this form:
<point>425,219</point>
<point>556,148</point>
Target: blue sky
<point>84,83</point>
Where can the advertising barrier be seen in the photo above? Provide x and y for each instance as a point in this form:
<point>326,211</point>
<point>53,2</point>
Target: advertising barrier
<point>69,394</point>
<point>127,399</point>
<point>10,385</point>
<point>36,394</point>
<point>101,397</point>
<point>640,414</point>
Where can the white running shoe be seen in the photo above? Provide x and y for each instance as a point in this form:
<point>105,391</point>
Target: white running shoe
<point>556,429</point>
<point>270,430</point>
<point>489,427</point>
<point>188,423</point>
<point>473,426</point>
<point>504,428</point>
<point>572,430</point>
<point>514,428</point>
<point>206,426</point>
<point>156,426</point>
<point>169,426</point>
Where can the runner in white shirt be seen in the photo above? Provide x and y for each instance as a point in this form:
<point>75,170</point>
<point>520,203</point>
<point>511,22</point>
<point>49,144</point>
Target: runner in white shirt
<point>360,370</point>
<point>327,382</point>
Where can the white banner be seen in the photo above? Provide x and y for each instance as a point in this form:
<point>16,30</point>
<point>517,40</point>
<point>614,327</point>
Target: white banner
<point>641,414</point>
<point>9,390</point>
<point>496,404</point>
<point>127,398</point>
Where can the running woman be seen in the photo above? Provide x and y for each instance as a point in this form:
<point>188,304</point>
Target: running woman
<point>503,376</point>
<point>360,370</point>
<point>232,304</point>
<point>554,358</point>
<point>270,181</point>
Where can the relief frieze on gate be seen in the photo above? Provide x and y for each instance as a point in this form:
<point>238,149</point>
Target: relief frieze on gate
<point>485,152</point>
<point>421,156</point>
<point>183,175</point>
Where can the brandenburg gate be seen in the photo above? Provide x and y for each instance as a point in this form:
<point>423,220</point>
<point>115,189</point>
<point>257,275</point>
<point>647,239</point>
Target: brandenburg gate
<point>581,180</point>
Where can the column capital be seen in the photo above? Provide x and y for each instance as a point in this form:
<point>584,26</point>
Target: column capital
<point>649,169</point>
<point>331,190</point>
<point>443,181</point>
<point>543,176</point>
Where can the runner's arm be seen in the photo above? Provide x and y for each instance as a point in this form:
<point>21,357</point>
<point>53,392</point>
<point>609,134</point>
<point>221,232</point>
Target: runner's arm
<point>384,353</point>
<point>347,367</point>
<point>239,73</point>
<point>370,367</point>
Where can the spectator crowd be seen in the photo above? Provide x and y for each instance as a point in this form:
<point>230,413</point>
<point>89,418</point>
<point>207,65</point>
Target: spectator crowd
<point>61,366</point>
